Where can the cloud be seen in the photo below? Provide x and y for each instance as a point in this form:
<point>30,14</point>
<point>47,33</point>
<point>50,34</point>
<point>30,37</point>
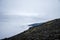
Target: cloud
<point>28,14</point>
<point>29,8</point>
<point>15,13</point>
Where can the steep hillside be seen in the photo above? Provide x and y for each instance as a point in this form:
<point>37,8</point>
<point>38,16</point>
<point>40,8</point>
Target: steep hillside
<point>46,31</point>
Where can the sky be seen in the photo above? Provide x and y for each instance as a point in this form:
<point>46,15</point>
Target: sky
<point>15,15</point>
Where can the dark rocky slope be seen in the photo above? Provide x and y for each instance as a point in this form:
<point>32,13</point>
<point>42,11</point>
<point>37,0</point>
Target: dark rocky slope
<point>46,31</point>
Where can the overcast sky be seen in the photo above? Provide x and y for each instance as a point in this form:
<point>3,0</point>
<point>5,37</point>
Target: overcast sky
<point>16,13</point>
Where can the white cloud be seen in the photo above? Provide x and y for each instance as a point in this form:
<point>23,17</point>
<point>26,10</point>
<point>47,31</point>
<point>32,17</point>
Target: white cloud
<point>30,8</point>
<point>27,11</point>
<point>27,14</point>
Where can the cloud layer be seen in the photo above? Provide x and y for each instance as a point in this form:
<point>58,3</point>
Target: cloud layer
<point>15,13</point>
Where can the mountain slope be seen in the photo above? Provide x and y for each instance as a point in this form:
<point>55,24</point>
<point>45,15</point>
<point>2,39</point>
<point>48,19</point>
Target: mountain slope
<point>46,31</point>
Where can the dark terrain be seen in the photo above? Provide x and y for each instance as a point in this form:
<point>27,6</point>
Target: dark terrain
<point>47,31</point>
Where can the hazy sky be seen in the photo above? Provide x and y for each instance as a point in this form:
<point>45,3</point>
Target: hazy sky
<point>16,13</point>
<point>36,8</point>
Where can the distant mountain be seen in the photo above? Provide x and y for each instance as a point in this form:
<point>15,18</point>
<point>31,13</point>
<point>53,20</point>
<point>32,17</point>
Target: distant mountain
<point>46,31</point>
<point>35,24</point>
